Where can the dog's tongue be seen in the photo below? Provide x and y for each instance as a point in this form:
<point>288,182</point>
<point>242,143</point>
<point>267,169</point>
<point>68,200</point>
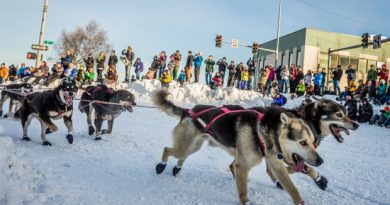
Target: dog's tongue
<point>299,165</point>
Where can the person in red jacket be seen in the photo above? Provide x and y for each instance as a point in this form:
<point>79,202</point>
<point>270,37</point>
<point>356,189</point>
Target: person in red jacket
<point>383,73</point>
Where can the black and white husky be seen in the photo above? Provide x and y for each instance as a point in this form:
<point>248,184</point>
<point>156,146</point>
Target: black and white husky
<point>16,93</point>
<point>45,106</point>
<point>247,134</point>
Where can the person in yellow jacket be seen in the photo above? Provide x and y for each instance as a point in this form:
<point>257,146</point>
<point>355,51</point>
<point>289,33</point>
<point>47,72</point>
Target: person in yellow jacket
<point>3,73</point>
<point>263,79</point>
<point>244,79</point>
<point>165,79</point>
<point>351,86</point>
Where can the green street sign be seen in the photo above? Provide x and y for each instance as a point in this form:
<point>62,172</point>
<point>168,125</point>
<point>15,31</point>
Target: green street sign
<point>47,42</point>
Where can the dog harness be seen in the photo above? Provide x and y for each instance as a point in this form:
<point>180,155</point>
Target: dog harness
<point>225,111</point>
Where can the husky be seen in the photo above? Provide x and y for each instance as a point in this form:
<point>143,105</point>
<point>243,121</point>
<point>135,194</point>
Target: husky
<point>249,135</point>
<point>108,105</point>
<point>324,117</point>
<point>16,94</point>
<point>45,106</point>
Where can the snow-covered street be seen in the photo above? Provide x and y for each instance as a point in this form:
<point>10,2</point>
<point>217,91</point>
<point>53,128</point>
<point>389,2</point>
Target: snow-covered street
<point>120,169</point>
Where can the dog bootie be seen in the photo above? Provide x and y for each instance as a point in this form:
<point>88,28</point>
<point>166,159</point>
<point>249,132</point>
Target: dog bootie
<point>91,130</point>
<point>6,116</point>
<point>105,132</point>
<point>176,170</point>
<point>46,143</point>
<point>321,182</point>
<point>98,138</point>
<point>161,167</point>
<point>278,185</point>
<point>26,139</point>
<point>69,137</point>
<point>1,113</point>
<point>48,131</point>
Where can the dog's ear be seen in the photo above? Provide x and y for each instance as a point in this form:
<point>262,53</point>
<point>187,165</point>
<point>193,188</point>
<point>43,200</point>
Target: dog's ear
<point>285,119</point>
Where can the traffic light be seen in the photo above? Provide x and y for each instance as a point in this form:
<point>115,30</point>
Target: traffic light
<point>365,37</point>
<point>218,41</point>
<point>255,47</point>
<point>377,41</point>
<point>31,55</point>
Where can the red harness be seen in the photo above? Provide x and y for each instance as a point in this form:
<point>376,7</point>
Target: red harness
<point>225,111</point>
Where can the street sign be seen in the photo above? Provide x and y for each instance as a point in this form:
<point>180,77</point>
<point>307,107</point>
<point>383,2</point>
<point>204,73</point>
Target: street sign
<point>39,47</point>
<point>235,43</point>
<point>48,42</point>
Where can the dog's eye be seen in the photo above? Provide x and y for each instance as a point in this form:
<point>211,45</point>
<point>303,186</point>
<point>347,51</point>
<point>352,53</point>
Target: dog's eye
<point>339,114</point>
<point>303,143</point>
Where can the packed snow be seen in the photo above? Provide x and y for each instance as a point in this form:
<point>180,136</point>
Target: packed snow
<point>120,169</point>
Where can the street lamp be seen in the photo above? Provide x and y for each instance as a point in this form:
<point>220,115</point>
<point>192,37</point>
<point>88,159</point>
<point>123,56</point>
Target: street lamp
<point>277,34</point>
<point>42,32</point>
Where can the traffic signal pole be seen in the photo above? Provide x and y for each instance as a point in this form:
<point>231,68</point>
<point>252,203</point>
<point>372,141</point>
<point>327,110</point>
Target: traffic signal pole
<point>277,34</point>
<point>42,32</point>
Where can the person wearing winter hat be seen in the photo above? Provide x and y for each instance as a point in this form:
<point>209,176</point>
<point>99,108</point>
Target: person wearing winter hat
<point>383,73</point>
<point>365,111</point>
<point>351,106</point>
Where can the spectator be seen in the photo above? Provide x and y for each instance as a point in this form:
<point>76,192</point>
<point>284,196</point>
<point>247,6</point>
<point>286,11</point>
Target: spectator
<point>372,75</point>
<point>237,75</point>
<point>58,72</point>
<point>383,73</point>
<point>171,66</point>
<point>222,66</point>
<point>24,72</point>
<point>383,119</point>
<point>293,71</point>
<point>271,78</point>
<point>337,74</point>
<point>165,79</point>
<point>278,75</point>
<point>386,97</point>
<point>252,72</point>
<point>209,68</point>
<point>188,68</point>
<point>217,81</point>
<point>285,79</point>
<point>232,72</point>
<point>71,71</point>
<point>113,59</point>
<point>12,76</point>
<point>351,73</point>
<point>100,65</point>
<point>381,91</point>
<point>317,83</point>
<point>40,73</point>
<point>3,73</point>
<point>279,100</point>
<point>351,106</point>
<point>365,111</point>
<point>111,76</point>
<point>154,67</point>
<point>182,78</point>
<point>198,59</point>
<point>244,79</point>
<point>133,78</point>
<point>323,72</point>
<point>274,89</point>
<point>128,61</point>
<point>89,62</point>
<point>263,79</point>
<point>301,88</point>
<point>88,76</point>
<point>67,59</point>
<point>139,67</point>
<point>307,78</point>
<point>361,90</point>
<point>351,87</point>
<point>162,63</point>
<point>176,58</point>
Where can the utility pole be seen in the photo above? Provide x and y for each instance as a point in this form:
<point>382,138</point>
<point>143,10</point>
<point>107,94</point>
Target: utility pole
<point>42,32</point>
<point>277,34</point>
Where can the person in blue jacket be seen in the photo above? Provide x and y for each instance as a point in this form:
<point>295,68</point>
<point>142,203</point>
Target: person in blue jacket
<point>198,59</point>
<point>317,83</point>
<point>71,71</point>
<point>279,100</point>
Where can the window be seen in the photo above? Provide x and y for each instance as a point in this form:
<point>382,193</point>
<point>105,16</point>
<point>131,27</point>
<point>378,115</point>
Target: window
<point>362,66</point>
<point>290,59</point>
<point>344,62</point>
<point>282,59</point>
<point>298,58</point>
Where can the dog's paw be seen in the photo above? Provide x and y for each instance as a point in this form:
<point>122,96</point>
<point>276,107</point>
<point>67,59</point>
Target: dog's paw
<point>91,130</point>
<point>246,203</point>
<point>46,143</point>
<point>106,132</point>
<point>69,137</point>
<point>98,138</point>
<point>160,168</point>
<point>278,185</point>
<point>6,116</point>
<point>322,182</point>
<point>176,170</point>
<point>48,131</point>
<point>26,139</point>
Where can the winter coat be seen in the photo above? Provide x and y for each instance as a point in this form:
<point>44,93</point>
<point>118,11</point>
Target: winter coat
<point>245,75</point>
<point>300,88</point>
<point>70,72</point>
<point>352,109</point>
<point>264,76</point>
<point>209,65</point>
<point>281,100</point>
<point>251,67</point>
<point>237,75</point>
<point>112,60</point>
<point>382,89</point>
<point>190,61</point>
<point>66,61</point>
<point>365,112</point>
<point>3,73</point>
<point>166,78</point>
<point>182,76</point>
<point>337,74</point>
<point>232,69</point>
<point>350,73</point>
<point>271,75</point>
<point>88,75</point>
<point>217,81</point>
<point>100,61</point>
<point>198,61</point>
<point>352,86</point>
<point>285,74</point>
<point>41,71</point>
<point>89,62</point>
<point>318,79</point>
<point>277,73</point>
<point>371,91</point>
<point>372,74</point>
<point>308,79</point>
<point>222,66</point>
<point>323,78</point>
<point>129,55</point>
<point>162,61</point>
<point>383,74</point>
<point>176,58</point>
<point>300,76</point>
<point>139,66</point>
<point>111,74</point>
<point>20,72</point>
<point>293,73</point>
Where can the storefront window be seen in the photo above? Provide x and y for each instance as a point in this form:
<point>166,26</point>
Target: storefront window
<point>299,58</point>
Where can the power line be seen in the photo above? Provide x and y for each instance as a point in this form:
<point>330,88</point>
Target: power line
<point>341,15</point>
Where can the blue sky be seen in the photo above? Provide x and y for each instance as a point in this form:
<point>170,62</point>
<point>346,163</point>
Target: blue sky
<point>151,26</point>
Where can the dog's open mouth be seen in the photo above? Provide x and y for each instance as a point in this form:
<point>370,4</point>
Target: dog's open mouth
<point>68,98</point>
<point>129,108</point>
<point>336,131</point>
<point>299,163</point>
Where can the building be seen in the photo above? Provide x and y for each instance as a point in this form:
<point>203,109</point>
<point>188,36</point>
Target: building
<point>309,48</point>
